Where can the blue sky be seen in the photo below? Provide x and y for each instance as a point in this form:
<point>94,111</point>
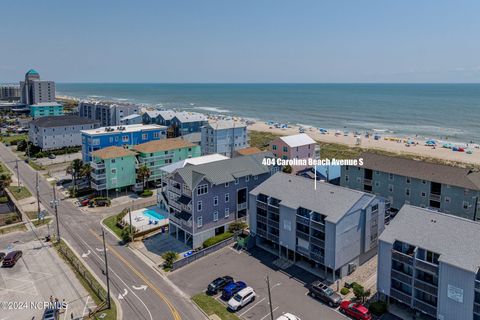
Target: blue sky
<point>242,40</point>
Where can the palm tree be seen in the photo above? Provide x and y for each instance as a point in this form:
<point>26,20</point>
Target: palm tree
<point>85,171</point>
<point>74,170</point>
<point>143,174</point>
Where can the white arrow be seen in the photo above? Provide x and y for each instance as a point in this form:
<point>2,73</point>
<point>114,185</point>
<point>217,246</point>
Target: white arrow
<point>142,287</point>
<point>84,255</point>
<point>99,250</point>
<point>122,296</point>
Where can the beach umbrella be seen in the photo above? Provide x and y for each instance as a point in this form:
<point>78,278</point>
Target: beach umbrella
<point>431,142</point>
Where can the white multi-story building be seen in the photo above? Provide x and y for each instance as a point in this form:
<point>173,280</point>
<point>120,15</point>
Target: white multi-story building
<point>56,132</point>
<point>224,137</point>
<point>107,113</point>
<point>35,91</point>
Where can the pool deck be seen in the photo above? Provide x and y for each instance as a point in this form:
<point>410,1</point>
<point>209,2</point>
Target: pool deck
<point>141,222</point>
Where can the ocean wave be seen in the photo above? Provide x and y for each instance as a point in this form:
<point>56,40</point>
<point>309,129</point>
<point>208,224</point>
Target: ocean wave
<point>213,109</point>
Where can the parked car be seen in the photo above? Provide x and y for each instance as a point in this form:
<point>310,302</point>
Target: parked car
<point>218,284</point>
<point>231,289</point>
<point>51,314</point>
<point>11,258</point>
<point>51,156</point>
<point>322,292</point>
<point>2,255</point>
<point>288,316</point>
<point>241,299</point>
<point>355,310</point>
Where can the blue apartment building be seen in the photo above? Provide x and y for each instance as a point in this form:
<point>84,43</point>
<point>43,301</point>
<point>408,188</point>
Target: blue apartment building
<point>187,122</point>
<point>120,136</point>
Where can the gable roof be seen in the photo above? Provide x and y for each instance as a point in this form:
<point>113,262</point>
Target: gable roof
<point>226,124</point>
<point>62,121</point>
<point>295,192</point>
<point>167,114</point>
<point>112,152</point>
<point>132,116</point>
<point>455,176</point>
<point>162,145</point>
<point>455,239</point>
<point>152,113</point>
<point>186,117</point>
<point>248,151</point>
<point>223,171</point>
<point>297,140</point>
<point>193,161</point>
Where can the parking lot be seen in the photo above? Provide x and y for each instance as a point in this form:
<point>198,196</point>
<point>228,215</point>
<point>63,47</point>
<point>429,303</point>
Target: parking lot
<point>39,274</point>
<point>288,287</point>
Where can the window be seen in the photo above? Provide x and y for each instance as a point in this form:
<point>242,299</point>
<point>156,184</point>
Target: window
<point>226,184</point>
<point>346,168</point>
<point>274,147</point>
<point>285,149</point>
<point>407,191</point>
<point>199,222</point>
<point>144,136</point>
<point>377,183</point>
<point>215,201</point>
<point>199,206</point>
<point>465,205</point>
<point>124,138</point>
<point>408,179</point>
<point>377,172</point>
<point>156,135</point>
<point>424,182</point>
<point>359,179</point>
<point>227,197</point>
<point>247,178</point>
<point>215,216</point>
<point>390,176</point>
<point>447,199</point>
<point>113,160</point>
<point>110,139</point>
<point>237,181</point>
<point>96,142</point>
<point>423,194</point>
<point>375,208</point>
<point>203,189</point>
<point>227,212</point>
<point>390,187</point>
<point>114,171</point>
<point>255,177</point>
<point>346,177</point>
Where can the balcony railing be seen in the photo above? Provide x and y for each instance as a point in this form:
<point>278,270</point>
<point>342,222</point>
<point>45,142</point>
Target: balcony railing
<point>99,186</point>
<point>426,266</point>
<point>425,307</point>
<point>402,277</point>
<point>303,235</point>
<point>272,237</point>
<point>316,256</point>
<point>476,308</point>
<point>426,287</point>
<point>97,165</point>
<point>368,182</point>
<point>155,158</point>
<point>400,296</point>
<point>98,176</point>
<point>261,205</point>
<point>262,233</point>
<point>180,222</point>
<point>241,206</point>
<point>273,209</point>
<point>261,219</point>
<point>402,257</point>
<point>435,197</point>
<point>274,223</point>
<point>317,242</point>
<point>318,225</point>
<point>303,220</point>
<point>187,192</point>
<point>303,251</point>
<point>477,285</point>
<point>175,190</point>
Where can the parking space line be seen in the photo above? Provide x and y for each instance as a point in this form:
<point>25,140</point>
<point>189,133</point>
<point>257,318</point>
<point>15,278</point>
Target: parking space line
<point>269,313</point>
<point>85,307</point>
<point>241,314</point>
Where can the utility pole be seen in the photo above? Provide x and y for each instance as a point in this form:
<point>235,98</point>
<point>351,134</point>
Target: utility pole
<point>130,217</point>
<point>54,204</point>
<point>18,174</point>
<point>269,298</point>
<point>106,269</point>
<point>38,195</point>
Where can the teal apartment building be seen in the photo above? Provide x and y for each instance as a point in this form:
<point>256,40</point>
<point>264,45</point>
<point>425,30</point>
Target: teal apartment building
<point>45,109</point>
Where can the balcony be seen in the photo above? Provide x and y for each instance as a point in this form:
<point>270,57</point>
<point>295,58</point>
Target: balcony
<point>303,235</point>
<point>187,192</point>
<point>317,242</point>
<point>402,277</point>
<point>155,158</point>
<point>261,219</point>
<point>435,197</point>
<point>175,190</point>
<point>400,296</point>
<point>476,308</point>
<point>316,256</point>
<point>273,209</point>
<point>97,165</point>
<point>272,222</point>
<point>426,287</point>
<point>272,237</point>
<point>477,285</point>
<point>425,307</point>
<point>98,176</point>
<point>99,187</point>
<point>402,257</point>
<point>241,206</point>
<point>262,233</point>
<point>303,220</point>
<point>261,205</point>
<point>367,182</point>
<point>303,251</point>
<point>426,266</point>
<point>317,225</point>
<point>180,222</point>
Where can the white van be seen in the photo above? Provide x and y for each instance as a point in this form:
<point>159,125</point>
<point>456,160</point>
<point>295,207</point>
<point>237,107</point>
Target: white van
<point>241,299</point>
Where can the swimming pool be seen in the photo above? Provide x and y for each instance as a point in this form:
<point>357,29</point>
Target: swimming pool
<point>152,214</point>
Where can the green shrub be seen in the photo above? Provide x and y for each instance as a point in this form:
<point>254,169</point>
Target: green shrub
<point>344,291</point>
<point>21,145</point>
<point>214,240</point>
<point>121,215</point>
<point>360,292</point>
<point>126,236</point>
<point>378,308</point>
<point>237,226</point>
<point>146,193</point>
<point>170,257</point>
<point>3,199</point>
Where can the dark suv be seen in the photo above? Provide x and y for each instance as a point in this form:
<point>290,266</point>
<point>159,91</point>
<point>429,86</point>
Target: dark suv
<point>218,284</point>
<point>12,258</point>
<point>322,292</point>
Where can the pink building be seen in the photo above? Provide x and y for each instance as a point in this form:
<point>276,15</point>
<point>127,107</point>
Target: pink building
<point>299,146</point>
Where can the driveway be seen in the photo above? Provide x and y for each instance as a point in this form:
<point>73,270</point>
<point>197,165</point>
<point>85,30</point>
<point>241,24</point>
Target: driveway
<point>288,287</point>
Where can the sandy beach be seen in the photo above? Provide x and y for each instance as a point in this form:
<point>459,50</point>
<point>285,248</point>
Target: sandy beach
<point>370,143</point>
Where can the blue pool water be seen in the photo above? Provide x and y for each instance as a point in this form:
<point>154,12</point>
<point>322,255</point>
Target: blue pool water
<point>152,214</point>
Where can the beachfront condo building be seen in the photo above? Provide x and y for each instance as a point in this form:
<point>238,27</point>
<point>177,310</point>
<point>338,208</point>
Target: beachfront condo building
<point>224,137</point>
<point>430,261</point>
<point>45,109</point>
<point>328,230</point>
<point>184,123</point>
<point>56,132</point>
<point>35,91</point>
<point>161,117</point>
<point>205,198</point>
<point>113,168</point>
<point>156,154</point>
<point>120,136</point>
<point>131,119</point>
<point>298,146</point>
<point>10,92</point>
<point>402,181</point>
<point>107,113</point>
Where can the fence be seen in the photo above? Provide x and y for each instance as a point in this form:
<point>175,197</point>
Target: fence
<point>82,271</point>
<point>202,253</point>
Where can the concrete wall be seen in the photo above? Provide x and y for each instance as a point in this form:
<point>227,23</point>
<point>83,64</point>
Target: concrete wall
<point>384,267</point>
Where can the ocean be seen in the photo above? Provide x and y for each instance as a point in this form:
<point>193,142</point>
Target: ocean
<point>425,110</point>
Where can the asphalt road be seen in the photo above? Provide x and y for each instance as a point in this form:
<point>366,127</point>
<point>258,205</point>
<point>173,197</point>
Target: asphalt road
<point>143,293</point>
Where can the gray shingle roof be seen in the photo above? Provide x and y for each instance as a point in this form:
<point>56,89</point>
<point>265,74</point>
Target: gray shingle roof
<point>167,114</point>
<point>455,239</point>
<point>295,192</point>
<point>455,176</point>
<point>61,121</point>
<point>226,124</point>
<point>186,117</point>
<point>222,171</point>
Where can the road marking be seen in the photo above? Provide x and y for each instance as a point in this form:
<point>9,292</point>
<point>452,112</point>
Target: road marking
<point>122,296</point>
<point>100,249</point>
<point>142,287</point>
<point>269,313</point>
<point>85,307</point>
<point>84,255</point>
<point>173,311</point>
<point>66,312</point>
<point>241,314</point>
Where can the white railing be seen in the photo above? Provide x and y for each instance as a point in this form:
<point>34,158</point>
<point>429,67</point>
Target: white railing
<point>97,165</point>
<point>99,186</point>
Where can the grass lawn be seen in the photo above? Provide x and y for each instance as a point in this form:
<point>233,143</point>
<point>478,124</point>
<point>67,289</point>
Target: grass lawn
<point>20,227</point>
<point>111,223</point>
<point>14,137</point>
<point>211,306</point>
<point>36,166</point>
<point>110,314</point>
<point>38,223</point>
<point>261,139</point>
<point>19,192</point>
